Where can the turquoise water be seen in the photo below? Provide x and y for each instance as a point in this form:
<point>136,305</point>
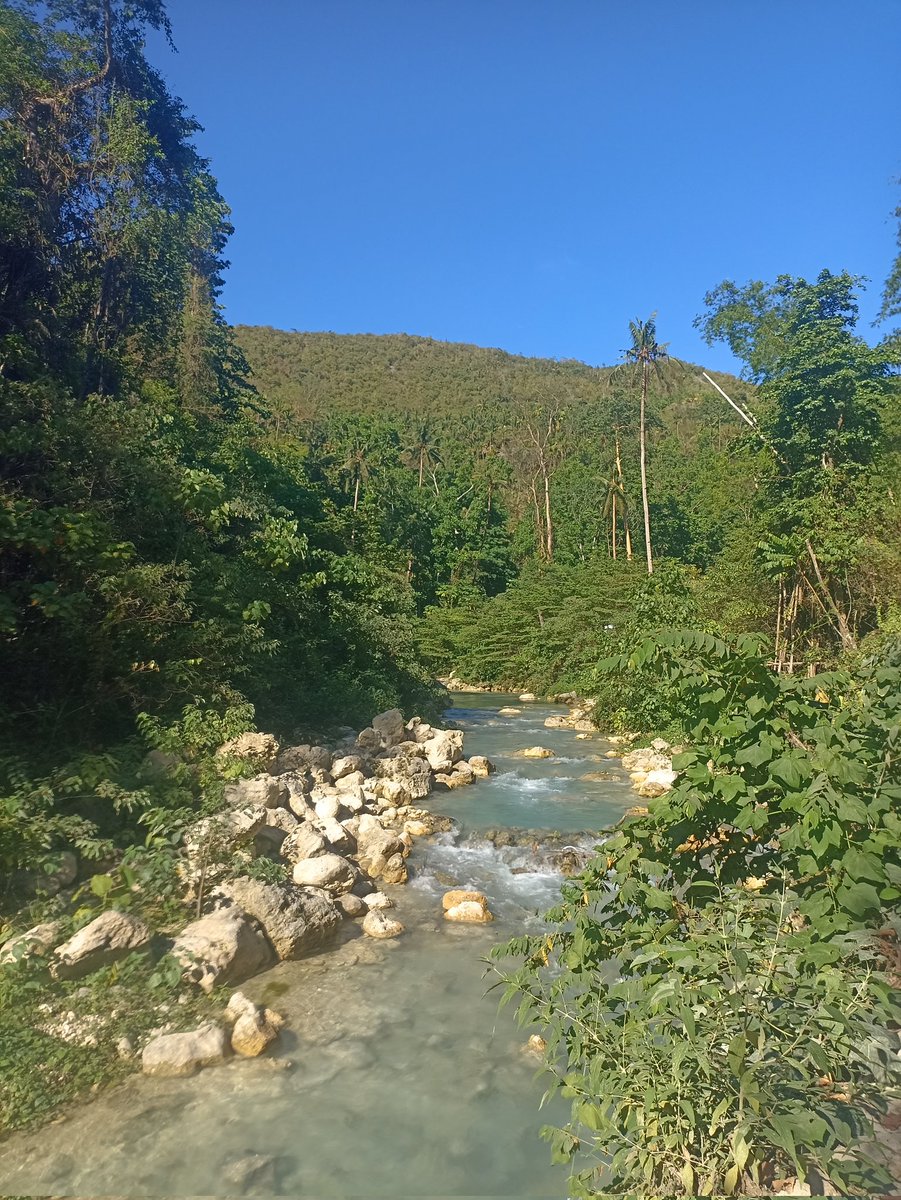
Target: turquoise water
<point>404,1081</point>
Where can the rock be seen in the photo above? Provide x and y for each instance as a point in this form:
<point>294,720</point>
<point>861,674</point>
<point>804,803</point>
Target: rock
<point>389,726</point>
<point>327,807</point>
<point>303,758</point>
<point>302,843</point>
<point>184,1053</point>
<point>351,905</point>
<point>263,791</point>
<point>470,911</point>
<point>281,819</point>
<point>255,1030</point>
<point>581,737</point>
<point>461,895</point>
<point>462,905</point>
<point>349,764</point>
<point>212,842</point>
<point>353,799</point>
<point>252,1174</point>
<point>410,768</point>
<point>377,900</point>
<point>660,745</point>
<point>224,947</point>
<point>452,781</point>
<point>556,722</point>
<point>509,712</point>
<point>537,752</point>
<point>295,921</point>
<point>258,748</point>
<point>33,943</point>
<point>645,760</point>
<point>109,937</point>
<point>481,766</point>
<point>340,840</point>
<point>443,749</point>
<point>416,828</point>
<point>527,697</point>
<point>656,783</point>
<point>377,925</point>
<point>463,771</point>
<point>378,850</point>
<point>328,871</point>
<point>125,1048</point>
<point>536,1045</point>
<point>350,782</point>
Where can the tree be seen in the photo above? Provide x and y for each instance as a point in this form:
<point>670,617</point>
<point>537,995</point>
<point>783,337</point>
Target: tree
<point>822,395</point>
<point>645,353</point>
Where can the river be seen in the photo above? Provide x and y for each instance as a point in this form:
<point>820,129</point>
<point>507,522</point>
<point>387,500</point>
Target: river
<point>405,1081</point>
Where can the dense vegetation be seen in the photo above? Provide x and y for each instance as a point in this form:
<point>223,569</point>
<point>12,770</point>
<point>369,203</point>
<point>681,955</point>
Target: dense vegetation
<point>205,529</point>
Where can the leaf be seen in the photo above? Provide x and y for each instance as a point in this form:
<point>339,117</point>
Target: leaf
<point>858,898</point>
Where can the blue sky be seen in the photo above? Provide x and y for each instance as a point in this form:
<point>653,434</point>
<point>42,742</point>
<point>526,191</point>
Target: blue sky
<point>532,174</point>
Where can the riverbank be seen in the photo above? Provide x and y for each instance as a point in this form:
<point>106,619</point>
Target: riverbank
<point>397,1055</point>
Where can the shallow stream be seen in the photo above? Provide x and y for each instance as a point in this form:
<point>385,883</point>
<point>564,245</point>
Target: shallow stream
<point>406,1081</point>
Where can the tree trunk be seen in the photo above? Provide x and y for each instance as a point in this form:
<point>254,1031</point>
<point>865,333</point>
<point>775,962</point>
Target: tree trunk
<point>644,470</point>
<point>539,530</point>
<point>421,466</point>
<point>613,529</point>
<point>627,532</point>
<point>356,493</point>
<point>549,524</point>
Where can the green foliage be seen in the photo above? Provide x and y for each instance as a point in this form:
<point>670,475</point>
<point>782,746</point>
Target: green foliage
<point>717,1003</point>
<point>59,1039</point>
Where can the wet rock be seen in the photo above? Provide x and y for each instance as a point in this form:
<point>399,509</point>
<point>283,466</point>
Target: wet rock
<point>377,900</point>
<point>377,925</point>
<point>527,697</point>
<point>481,766</point>
<point>378,850</point>
<point>111,936</point>
<point>258,748</point>
<point>536,1045</point>
<point>295,921</point>
<point>555,722</point>
<point>328,871</point>
<point>509,712</point>
<point>224,947</point>
<point>36,942</point>
<point>466,906</point>
<point>443,749</point>
<point>537,752</point>
<point>173,1054</point>
<point>251,1174</point>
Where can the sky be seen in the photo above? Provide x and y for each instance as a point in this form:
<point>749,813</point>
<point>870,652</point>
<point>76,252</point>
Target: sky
<point>534,174</point>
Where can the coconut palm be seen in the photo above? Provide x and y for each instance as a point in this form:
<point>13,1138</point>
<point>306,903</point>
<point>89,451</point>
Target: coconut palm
<point>646,354</point>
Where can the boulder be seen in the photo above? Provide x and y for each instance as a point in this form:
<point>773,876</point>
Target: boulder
<point>258,748</point>
<point>443,749</point>
<point>377,925</point>
<point>349,782</point>
<point>468,911</point>
<point>328,871</point>
<point>369,741</point>
<point>303,758</point>
<point>507,711</point>
<point>463,771</point>
<point>466,906</point>
<point>303,842</point>
<point>537,752</point>
<point>263,791</point>
<point>327,807</point>
<point>390,791</point>
<point>340,839</point>
<point>660,745</point>
<point>109,937</point>
<point>645,760</point>
<point>347,765</point>
<point>295,921</point>
<point>377,900</point>
<point>411,769</point>
<point>36,942</point>
<point>378,849</point>
<point>212,842</point>
<point>353,798</point>
<point>184,1053</point>
<point>452,780</point>
<point>389,726</point>
<point>224,947</point>
<point>527,697</point>
<point>481,766</point>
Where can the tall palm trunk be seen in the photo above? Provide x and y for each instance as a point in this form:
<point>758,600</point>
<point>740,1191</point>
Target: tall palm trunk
<point>642,441</point>
<point>627,532</point>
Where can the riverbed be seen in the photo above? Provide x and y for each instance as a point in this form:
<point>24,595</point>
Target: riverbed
<point>396,1075</point>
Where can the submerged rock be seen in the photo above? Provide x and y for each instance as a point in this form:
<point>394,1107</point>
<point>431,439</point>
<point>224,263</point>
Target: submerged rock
<point>466,906</point>
<point>377,925</point>
<point>509,712</point>
<point>537,752</point>
<point>255,1027</point>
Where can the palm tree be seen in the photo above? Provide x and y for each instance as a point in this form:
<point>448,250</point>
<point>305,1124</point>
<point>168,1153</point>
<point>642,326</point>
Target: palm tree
<point>422,451</point>
<point>646,353</point>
